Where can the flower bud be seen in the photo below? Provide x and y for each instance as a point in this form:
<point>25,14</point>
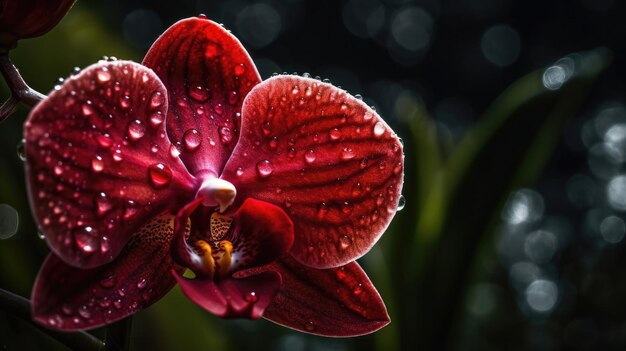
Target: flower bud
<point>21,19</point>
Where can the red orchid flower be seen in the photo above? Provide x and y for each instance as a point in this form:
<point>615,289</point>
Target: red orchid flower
<point>266,191</point>
<point>21,19</point>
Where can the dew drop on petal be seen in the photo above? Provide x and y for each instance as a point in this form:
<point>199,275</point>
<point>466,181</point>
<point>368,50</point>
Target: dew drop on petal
<point>358,289</point>
<point>347,153</point>
<point>130,208</point>
<point>239,69</point>
<point>156,99</point>
<point>322,210</point>
<point>86,238</point>
<point>104,75</point>
<point>84,312</point>
<point>219,109</point>
<point>309,156</point>
<point>125,102</point>
<point>250,297</point>
<point>198,93</point>
<point>379,129</point>
<point>135,130</point>
<point>264,168</point>
<point>309,326</point>
<point>232,97</point>
<point>87,109</point>
<point>192,139</point>
<point>97,164</point>
<point>156,118</point>
<point>334,134</point>
<point>142,283</point>
<point>160,175</point>
<point>212,50</point>
<point>239,171</point>
<point>401,203</point>
<point>345,242</point>
<point>174,151</point>
<point>109,281</point>
<point>104,140</point>
<point>117,155</point>
<point>226,135</point>
<point>103,203</point>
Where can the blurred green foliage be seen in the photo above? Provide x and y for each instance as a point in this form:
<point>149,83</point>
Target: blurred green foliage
<point>422,265</point>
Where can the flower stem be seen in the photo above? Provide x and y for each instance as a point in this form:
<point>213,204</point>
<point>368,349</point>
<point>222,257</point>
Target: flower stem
<point>20,91</point>
<point>21,308</point>
<point>118,335</point>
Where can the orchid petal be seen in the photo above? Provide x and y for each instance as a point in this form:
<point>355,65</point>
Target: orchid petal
<point>261,233</point>
<point>337,302</point>
<point>68,298</point>
<point>233,298</point>
<point>324,156</point>
<point>207,73</point>
<point>98,163</point>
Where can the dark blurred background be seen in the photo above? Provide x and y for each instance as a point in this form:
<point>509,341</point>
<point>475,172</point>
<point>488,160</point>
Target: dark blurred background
<point>548,274</point>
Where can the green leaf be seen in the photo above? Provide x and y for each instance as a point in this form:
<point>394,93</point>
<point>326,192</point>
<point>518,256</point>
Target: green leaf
<point>508,148</point>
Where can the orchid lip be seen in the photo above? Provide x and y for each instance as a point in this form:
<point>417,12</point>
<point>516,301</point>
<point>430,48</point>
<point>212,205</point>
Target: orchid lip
<point>217,192</point>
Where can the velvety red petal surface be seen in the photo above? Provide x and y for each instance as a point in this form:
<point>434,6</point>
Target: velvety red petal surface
<point>68,298</point>
<point>233,298</point>
<point>98,161</point>
<point>261,233</point>
<point>338,302</point>
<point>324,156</point>
<point>207,73</point>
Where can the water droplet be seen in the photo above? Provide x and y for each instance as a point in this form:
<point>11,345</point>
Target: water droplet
<point>357,189</point>
<point>157,99</point>
<point>21,149</point>
<point>309,156</point>
<point>368,115</point>
<point>174,151</point>
<point>295,90</point>
<point>401,203</point>
<point>345,242</point>
<point>250,297</point>
<point>264,168</point>
<point>219,109</point>
<point>117,303</point>
<point>86,238</point>
<point>125,101</point>
<point>358,97</point>
<point>58,169</point>
<point>274,143</point>
<point>335,134</point>
<point>84,312</point>
<point>226,135</point>
<point>97,164</point>
<point>104,140</point>
<point>104,75</point>
<point>160,175</point>
<point>358,289</point>
<point>212,50</point>
<point>142,283</point>
<point>240,69</point>
<point>192,139</point>
<point>322,210</point>
<point>347,207</point>
<point>309,326</point>
<point>379,129</point>
<point>199,93</point>
<point>135,130</point>
<point>292,152</point>
<point>87,109</point>
<point>109,281</point>
<point>130,208</point>
<point>103,203</point>
<point>117,155</point>
<point>232,97</point>
<point>239,171</point>
<point>347,153</point>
